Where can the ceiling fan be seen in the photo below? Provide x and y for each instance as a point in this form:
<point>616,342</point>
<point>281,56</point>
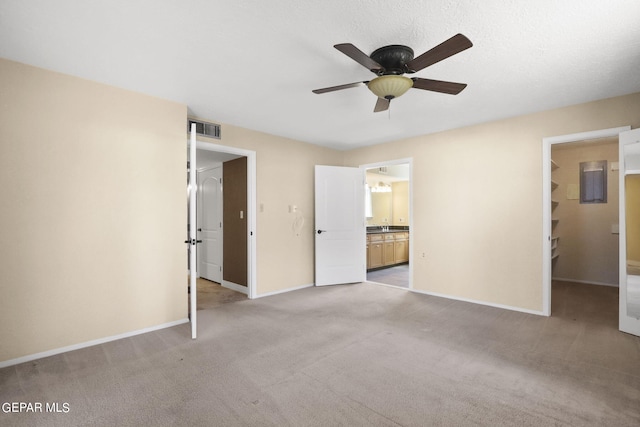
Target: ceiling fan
<point>389,63</point>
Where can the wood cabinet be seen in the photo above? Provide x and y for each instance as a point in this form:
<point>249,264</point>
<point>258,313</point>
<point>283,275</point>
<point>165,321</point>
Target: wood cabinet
<point>387,249</point>
<point>401,248</point>
<point>375,257</point>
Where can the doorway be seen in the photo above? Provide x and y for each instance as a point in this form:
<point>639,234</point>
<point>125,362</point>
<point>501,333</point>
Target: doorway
<point>222,251</point>
<point>585,239</point>
<point>388,208</point>
<point>551,202</point>
<point>209,156</point>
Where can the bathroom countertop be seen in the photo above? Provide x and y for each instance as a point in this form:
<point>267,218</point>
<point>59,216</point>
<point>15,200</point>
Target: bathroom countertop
<point>392,229</point>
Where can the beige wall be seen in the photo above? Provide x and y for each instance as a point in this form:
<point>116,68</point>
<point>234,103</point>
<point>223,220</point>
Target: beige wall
<point>400,191</point>
<point>93,211</point>
<point>588,250</point>
<point>477,200</point>
<point>285,176</point>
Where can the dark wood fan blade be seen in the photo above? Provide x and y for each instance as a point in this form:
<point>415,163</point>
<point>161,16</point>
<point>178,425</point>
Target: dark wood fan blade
<point>438,86</point>
<point>381,105</point>
<point>359,56</point>
<point>455,44</point>
<point>333,88</point>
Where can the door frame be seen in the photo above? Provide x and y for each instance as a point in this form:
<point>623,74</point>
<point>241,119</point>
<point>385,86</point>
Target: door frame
<point>546,200</point>
<point>251,208</point>
<point>403,161</point>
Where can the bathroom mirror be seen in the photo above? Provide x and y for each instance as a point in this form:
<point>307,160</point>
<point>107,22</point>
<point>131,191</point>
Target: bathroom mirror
<point>382,207</point>
<point>632,215</point>
<point>629,295</point>
<point>389,195</point>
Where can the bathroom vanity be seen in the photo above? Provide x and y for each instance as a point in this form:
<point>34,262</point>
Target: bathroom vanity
<point>387,247</point>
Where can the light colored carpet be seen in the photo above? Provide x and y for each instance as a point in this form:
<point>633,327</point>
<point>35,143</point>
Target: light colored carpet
<point>352,355</point>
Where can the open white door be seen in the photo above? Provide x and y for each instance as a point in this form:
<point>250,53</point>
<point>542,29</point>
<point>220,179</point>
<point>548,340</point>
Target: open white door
<point>630,232</point>
<point>340,225</point>
<point>210,224</point>
<point>193,276</point>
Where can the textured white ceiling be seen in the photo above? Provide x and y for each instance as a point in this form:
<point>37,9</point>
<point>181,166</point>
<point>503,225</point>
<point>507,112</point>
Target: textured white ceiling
<point>253,63</point>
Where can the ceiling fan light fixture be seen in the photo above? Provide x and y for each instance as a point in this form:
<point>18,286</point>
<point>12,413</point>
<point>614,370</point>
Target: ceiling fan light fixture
<point>390,86</point>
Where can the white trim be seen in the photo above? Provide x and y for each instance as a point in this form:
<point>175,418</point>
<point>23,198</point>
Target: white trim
<point>193,247</point>
<point>251,207</point>
<point>574,137</point>
<point>546,200</point>
<point>546,227</point>
<point>403,161</point>
<point>490,304</point>
<point>91,343</point>
<point>282,291</point>
<point>586,282</point>
<point>235,287</point>
<point>208,168</point>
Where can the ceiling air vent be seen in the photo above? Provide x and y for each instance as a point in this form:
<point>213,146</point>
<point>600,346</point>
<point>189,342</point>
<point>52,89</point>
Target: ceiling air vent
<point>383,170</point>
<point>211,130</point>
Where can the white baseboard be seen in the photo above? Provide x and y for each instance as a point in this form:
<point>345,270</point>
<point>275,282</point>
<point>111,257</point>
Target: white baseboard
<point>587,282</point>
<point>30,357</point>
<point>504,307</point>
<point>235,287</point>
<point>282,291</point>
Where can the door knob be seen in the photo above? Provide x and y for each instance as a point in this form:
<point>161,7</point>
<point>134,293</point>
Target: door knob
<point>193,241</point>
<point>321,231</point>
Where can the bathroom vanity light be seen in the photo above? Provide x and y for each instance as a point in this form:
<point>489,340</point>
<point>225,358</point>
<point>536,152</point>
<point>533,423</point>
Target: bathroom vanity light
<point>381,188</point>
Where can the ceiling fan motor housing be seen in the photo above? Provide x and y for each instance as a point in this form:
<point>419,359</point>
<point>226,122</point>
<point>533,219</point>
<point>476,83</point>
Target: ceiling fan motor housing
<point>392,58</point>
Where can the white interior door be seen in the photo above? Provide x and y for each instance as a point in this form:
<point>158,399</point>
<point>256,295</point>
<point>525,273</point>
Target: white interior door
<point>340,225</point>
<point>192,242</point>
<point>210,224</point>
<point>630,232</point>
